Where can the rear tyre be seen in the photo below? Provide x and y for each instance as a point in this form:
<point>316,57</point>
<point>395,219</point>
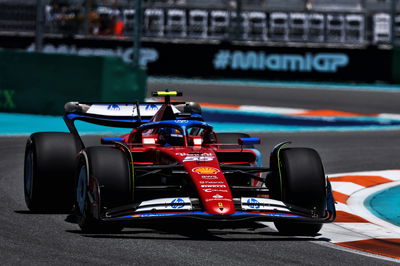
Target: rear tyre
<point>233,138</point>
<point>109,186</point>
<point>49,169</point>
<point>301,182</point>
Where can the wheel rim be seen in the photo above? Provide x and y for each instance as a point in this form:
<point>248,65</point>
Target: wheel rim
<point>28,176</point>
<point>81,189</point>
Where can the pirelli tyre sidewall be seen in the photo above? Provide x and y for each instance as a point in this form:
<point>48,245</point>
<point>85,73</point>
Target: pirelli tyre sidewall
<point>102,182</point>
<point>49,170</point>
<point>300,181</point>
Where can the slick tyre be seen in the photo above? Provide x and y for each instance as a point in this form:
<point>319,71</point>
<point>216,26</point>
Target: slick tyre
<point>233,138</point>
<point>49,170</point>
<point>301,182</point>
<point>107,171</point>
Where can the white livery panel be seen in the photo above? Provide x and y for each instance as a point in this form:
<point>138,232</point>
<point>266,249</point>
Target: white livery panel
<point>176,204</point>
<point>263,204</point>
<point>130,110</point>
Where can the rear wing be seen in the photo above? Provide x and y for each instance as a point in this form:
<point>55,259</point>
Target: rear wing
<point>125,115</point>
<point>130,114</point>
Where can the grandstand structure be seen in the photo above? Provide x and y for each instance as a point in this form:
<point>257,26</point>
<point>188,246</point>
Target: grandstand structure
<point>358,22</point>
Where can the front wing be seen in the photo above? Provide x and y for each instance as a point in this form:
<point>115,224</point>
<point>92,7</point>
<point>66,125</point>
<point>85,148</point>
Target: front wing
<point>255,209</point>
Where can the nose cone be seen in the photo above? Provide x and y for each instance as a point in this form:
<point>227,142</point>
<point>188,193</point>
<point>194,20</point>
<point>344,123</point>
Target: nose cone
<point>222,208</point>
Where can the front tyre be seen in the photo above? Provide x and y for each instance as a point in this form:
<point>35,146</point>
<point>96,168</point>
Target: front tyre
<point>103,182</point>
<point>86,219</point>
<point>300,181</point>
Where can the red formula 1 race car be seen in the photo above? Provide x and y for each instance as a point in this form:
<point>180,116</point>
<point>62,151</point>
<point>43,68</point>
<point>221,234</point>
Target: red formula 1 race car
<point>172,165</point>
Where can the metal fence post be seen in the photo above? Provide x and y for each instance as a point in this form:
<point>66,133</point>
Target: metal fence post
<point>137,33</point>
<point>393,21</point>
<point>239,21</point>
<point>39,29</point>
<point>88,7</point>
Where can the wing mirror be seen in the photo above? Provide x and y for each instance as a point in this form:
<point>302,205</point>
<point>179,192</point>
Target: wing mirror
<point>249,141</point>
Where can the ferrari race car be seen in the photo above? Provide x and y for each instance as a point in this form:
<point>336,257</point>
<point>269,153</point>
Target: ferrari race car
<point>172,165</point>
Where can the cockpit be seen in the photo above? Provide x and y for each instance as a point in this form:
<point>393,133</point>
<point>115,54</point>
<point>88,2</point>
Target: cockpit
<point>174,133</point>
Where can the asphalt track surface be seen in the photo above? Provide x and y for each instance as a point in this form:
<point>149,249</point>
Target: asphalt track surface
<point>48,239</point>
<point>313,97</point>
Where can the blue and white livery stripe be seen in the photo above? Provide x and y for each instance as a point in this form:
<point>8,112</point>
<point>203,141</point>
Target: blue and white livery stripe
<point>171,214</point>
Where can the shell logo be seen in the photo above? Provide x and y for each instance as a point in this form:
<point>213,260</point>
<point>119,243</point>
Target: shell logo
<point>205,170</point>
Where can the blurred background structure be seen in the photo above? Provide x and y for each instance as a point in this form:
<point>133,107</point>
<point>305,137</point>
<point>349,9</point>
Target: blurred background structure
<point>357,22</point>
<point>273,40</point>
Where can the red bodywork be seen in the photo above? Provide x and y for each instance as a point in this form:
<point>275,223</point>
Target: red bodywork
<point>202,165</point>
<point>200,162</point>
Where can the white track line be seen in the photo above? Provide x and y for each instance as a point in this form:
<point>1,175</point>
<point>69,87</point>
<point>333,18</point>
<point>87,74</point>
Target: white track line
<point>356,205</point>
<point>346,187</point>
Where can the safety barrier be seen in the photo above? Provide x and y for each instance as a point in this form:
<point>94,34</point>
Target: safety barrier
<point>43,83</point>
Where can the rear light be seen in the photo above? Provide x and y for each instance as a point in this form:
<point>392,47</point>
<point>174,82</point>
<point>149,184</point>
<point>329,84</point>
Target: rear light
<point>197,141</point>
<point>148,140</point>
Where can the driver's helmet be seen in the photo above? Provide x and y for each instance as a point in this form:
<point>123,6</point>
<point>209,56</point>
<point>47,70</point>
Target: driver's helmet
<point>170,137</point>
